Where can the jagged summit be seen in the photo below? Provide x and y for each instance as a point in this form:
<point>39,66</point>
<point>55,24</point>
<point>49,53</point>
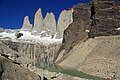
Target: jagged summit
<point>48,24</point>
<point>26,24</point>
<point>65,19</point>
<point>38,21</point>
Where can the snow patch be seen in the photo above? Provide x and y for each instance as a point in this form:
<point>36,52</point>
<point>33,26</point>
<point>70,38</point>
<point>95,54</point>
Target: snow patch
<point>28,37</point>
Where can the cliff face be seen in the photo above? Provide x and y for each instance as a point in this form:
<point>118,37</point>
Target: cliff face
<point>76,30</point>
<point>26,24</point>
<point>38,21</point>
<point>50,23</point>
<point>65,19</point>
<point>40,55</point>
<point>90,43</point>
<point>99,18</point>
<point>105,18</point>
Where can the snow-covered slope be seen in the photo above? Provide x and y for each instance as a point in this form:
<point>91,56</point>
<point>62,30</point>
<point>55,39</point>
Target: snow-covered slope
<point>29,37</point>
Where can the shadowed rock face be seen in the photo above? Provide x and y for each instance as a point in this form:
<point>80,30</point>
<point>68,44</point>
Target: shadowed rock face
<point>26,24</point>
<point>76,30</point>
<point>50,23</point>
<point>38,21</point>
<point>100,18</point>
<point>105,18</point>
<point>65,19</point>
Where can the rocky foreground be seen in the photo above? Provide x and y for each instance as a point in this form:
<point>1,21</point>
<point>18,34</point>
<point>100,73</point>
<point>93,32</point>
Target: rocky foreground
<point>91,37</point>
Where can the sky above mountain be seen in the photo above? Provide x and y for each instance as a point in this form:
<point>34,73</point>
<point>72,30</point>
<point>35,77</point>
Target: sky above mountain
<point>12,12</point>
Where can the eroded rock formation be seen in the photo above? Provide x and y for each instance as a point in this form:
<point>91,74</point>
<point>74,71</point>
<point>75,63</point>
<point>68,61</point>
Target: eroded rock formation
<point>105,18</point>
<point>50,23</point>
<point>100,18</point>
<point>65,19</point>
<point>84,46</point>
<point>76,30</point>
<point>26,24</point>
<point>41,55</point>
<point>38,22</point>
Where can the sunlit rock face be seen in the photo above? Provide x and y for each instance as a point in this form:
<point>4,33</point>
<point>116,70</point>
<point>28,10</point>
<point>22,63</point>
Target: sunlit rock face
<point>41,55</point>
<point>65,19</point>
<point>50,23</point>
<point>38,21</point>
<point>26,24</point>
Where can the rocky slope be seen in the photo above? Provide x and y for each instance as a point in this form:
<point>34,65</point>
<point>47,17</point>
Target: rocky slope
<point>76,30</point>
<point>91,21</point>
<point>83,46</point>
<point>11,71</point>
<point>41,55</point>
<point>98,56</point>
<point>13,66</point>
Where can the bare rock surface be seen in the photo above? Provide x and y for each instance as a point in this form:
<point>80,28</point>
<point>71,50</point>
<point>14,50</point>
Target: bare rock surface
<point>90,43</point>
<point>26,24</point>
<point>38,22</point>
<point>65,19</point>
<point>11,71</point>
<point>105,16</point>
<point>40,55</point>
<point>91,21</point>
<point>50,23</point>
<point>76,30</point>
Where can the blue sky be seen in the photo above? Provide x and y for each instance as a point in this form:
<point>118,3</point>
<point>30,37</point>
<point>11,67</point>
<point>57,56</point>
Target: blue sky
<point>12,12</point>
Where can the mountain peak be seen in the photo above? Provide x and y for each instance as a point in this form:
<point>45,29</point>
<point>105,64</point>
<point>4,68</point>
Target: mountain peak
<point>26,24</point>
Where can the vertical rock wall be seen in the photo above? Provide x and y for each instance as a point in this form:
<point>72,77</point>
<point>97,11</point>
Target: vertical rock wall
<point>41,55</point>
<point>26,24</point>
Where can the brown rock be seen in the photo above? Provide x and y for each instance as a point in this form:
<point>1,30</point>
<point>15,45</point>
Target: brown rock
<point>105,18</point>
<point>12,71</point>
<point>101,18</point>
<point>76,31</point>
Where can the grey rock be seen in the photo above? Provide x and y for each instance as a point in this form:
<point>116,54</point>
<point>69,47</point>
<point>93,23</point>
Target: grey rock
<point>38,22</point>
<point>65,19</point>
<point>12,71</point>
<point>50,23</point>
<point>26,24</point>
<point>41,55</point>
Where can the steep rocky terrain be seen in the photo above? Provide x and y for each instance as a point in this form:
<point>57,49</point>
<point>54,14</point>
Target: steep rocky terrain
<point>11,71</point>
<point>38,21</point>
<point>26,24</point>
<point>90,43</point>
<point>13,66</point>
<point>98,56</point>
<point>105,18</point>
<point>40,54</point>
<point>91,21</point>
<point>50,23</point>
<point>65,19</point>
<point>76,30</point>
